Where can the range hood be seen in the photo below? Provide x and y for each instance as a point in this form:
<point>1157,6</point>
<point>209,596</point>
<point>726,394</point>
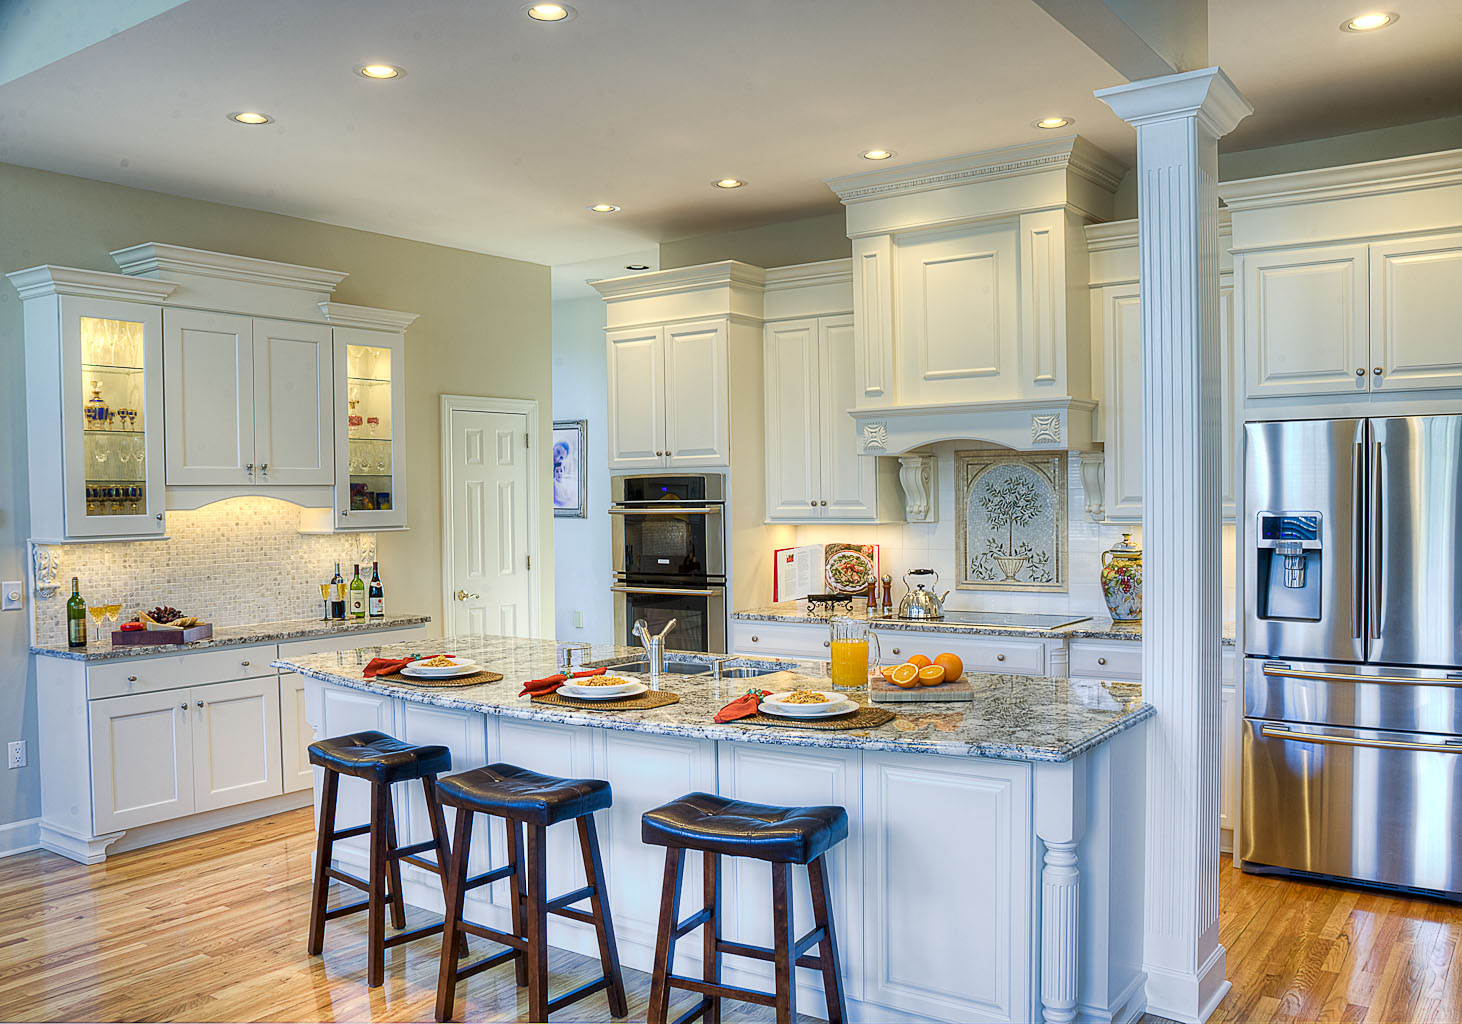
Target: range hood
<point>971,312</point>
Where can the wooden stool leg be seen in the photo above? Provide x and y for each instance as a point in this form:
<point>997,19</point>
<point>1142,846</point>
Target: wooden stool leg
<point>711,932</point>
<point>376,911</point>
<point>439,836</point>
<point>537,913</point>
<point>324,850</point>
<point>785,940</point>
<point>393,866</point>
<point>664,963</point>
<point>456,877</point>
<point>517,890</point>
<point>832,974</point>
<point>599,906</point>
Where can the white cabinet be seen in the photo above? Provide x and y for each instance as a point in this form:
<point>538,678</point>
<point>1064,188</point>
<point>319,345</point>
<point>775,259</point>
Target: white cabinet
<point>295,734</point>
<point>668,396</point>
<point>1002,654</point>
<point>236,742</point>
<point>141,759</point>
<point>1416,306</point>
<point>247,400</point>
<point>370,429</point>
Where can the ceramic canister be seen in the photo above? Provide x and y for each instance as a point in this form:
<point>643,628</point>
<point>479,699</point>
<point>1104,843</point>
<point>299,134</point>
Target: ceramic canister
<point>1122,580</point>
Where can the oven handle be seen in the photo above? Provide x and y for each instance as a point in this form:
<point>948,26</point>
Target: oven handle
<point>1284,672</point>
<point>675,591</point>
<point>1269,732</point>
<point>619,510</point>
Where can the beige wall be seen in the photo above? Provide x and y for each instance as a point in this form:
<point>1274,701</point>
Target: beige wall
<point>485,329</point>
<point>784,244</point>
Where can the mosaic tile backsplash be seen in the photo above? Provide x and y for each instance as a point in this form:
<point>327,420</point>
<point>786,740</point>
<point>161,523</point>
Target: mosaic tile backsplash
<point>232,563</point>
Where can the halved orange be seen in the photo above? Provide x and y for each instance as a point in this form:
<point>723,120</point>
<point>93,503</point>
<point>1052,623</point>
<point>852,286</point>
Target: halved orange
<point>887,673</point>
<point>931,675</point>
<point>922,660</point>
<point>906,676</point>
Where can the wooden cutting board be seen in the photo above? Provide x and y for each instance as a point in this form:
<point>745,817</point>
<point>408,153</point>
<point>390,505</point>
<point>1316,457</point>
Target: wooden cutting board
<point>880,691</point>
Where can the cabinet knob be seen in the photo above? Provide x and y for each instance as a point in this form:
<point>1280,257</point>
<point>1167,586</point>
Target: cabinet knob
<point>1376,370</point>
<point>999,657</point>
<point>344,512</point>
<point>1101,661</point>
<point>822,503</point>
<point>756,639</point>
<point>131,679</point>
<point>183,706</point>
<point>200,703</point>
<point>244,663</point>
<point>159,517</point>
<point>897,651</point>
<point>827,643</point>
<point>813,503</point>
<point>264,468</point>
<point>249,468</point>
<point>1360,371</point>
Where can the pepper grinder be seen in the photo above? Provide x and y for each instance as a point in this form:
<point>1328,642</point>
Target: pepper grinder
<point>887,594</point>
<point>873,597</point>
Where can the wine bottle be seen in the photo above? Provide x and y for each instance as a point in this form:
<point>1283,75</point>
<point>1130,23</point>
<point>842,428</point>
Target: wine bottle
<point>76,616</point>
<point>376,600</point>
<point>337,600</point>
<point>357,595</point>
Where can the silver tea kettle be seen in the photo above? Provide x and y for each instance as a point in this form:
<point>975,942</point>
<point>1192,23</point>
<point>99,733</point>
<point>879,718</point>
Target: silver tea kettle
<point>919,603</point>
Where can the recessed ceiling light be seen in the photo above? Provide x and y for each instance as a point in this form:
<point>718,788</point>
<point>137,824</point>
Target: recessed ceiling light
<point>636,266</point>
<point>250,117</point>
<point>729,183</point>
<point>379,71</point>
<point>1053,122</point>
<point>549,12</point>
<point>1370,22</point>
<point>604,208</point>
<point>876,154</point>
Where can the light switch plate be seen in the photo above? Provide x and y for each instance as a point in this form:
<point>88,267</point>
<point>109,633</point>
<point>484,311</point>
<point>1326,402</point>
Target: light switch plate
<point>12,596</point>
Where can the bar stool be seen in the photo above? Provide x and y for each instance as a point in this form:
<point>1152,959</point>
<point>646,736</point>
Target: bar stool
<point>382,761</point>
<point>716,826</point>
<point>528,803</point>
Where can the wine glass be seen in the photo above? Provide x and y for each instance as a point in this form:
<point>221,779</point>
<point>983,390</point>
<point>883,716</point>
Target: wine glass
<point>97,613</point>
<point>113,610</point>
<point>139,449</point>
<point>325,589</point>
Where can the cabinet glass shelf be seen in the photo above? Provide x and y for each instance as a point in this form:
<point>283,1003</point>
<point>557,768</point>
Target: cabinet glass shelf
<point>103,432</point>
<point>111,367</point>
<point>368,380</point>
<point>383,440</point>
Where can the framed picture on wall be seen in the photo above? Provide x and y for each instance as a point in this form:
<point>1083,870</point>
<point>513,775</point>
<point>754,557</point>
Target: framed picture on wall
<point>570,480</point>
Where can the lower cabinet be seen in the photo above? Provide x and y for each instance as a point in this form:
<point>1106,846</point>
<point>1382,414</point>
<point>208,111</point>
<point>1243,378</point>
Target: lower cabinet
<point>236,756</point>
<point>295,735</point>
<point>1003,654</point>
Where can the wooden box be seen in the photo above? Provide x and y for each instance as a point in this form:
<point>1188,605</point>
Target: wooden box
<point>161,635</point>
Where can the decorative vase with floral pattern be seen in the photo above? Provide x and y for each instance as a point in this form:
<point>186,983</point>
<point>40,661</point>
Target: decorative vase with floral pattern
<point>1122,580</point>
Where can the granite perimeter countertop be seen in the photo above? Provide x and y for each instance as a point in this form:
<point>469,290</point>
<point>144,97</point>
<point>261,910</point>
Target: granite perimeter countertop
<point>233,636</point>
<point>1016,718</point>
<point>1098,627</point>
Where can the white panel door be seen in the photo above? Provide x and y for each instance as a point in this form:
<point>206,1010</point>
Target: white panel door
<point>1416,307</point>
<point>793,423</point>
<point>490,574</point>
<point>947,886</point>
<point>636,367</point>
<point>1305,321</point>
<point>208,397</point>
<point>849,480</point>
<point>959,316</point>
<point>697,421</point>
<point>295,734</point>
<point>236,755</point>
<point>141,759</point>
<point>294,439</point>
<point>1122,356</point>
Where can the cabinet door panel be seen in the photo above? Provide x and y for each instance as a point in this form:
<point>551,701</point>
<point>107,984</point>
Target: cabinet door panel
<point>793,424</point>
<point>370,372</point>
<point>464,733</point>
<point>208,397</point>
<point>1122,333</point>
<point>293,436</point>
<point>1416,305</point>
<point>141,760</point>
<point>343,712</point>
<point>236,742</point>
<point>1227,394</point>
<point>295,734</point>
<point>1305,321</point>
<point>849,480</point>
<point>873,316</point>
<point>697,423</point>
<point>636,363</point>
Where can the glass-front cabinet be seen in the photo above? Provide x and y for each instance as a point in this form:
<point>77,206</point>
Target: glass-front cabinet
<point>370,429</point>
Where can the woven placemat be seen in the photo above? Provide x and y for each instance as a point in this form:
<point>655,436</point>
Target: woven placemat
<point>863,718</point>
<point>640,702</point>
<point>474,679</point>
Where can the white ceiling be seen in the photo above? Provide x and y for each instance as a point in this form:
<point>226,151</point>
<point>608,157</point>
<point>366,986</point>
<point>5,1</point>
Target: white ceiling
<point>504,129</point>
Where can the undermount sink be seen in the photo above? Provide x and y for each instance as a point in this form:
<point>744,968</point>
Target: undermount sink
<point>672,668</point>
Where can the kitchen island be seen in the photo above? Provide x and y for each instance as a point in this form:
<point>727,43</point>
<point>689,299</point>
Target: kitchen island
<point>992,869</point>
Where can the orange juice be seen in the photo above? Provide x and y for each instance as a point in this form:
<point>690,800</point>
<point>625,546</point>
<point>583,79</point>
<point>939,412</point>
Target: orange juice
<point>850,662</point>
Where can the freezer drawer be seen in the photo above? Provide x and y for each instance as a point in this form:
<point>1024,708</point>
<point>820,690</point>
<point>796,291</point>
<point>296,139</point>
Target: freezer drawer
<point>1370,805</point>
<point>1354,696</point>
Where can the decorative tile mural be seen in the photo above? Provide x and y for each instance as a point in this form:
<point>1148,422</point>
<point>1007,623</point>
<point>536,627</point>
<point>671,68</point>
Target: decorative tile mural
<point>1010,520</point>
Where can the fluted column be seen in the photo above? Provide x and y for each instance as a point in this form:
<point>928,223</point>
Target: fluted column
<point>1179,120</point>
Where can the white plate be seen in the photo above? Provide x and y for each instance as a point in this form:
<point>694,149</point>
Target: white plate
<point>632,689</point>
<point>837,705</point>
<point>460,667</point>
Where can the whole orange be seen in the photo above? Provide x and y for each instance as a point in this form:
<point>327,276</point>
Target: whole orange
<point>953,667</point>
<point>922,660</point>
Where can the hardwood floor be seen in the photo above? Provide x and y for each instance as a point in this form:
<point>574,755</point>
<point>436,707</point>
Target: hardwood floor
<point>212,928</point>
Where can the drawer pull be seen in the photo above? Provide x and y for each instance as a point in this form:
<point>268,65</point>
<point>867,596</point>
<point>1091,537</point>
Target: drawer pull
<point>827,643</point>
<point>756,639</point>
<point>1101,661</point>
<point>131,679</point>
<point>999,657</point>
<point>897,651</point>
<point>244,663</point>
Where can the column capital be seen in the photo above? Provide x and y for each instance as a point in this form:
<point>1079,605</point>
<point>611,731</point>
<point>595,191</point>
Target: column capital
<point>1205,94</point>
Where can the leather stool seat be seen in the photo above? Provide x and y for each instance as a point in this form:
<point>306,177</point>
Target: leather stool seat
<point>512,792</point>
<point>782,835</point>
<point>379,758</point>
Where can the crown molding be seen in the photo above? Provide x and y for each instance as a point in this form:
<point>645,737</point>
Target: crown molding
<point>1052,424</point>
<point>1351,181</point>
<point>94,284</point>
<point>1206,94</point>
<point>1117,234</point>
<point>369,317</point>
<point>810,275</point>
<point>152,259</point>
<point>663,282</point>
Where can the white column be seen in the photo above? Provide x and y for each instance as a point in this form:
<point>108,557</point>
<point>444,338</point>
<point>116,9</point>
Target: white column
<point>1060,820</point>
<point>1179,120</point>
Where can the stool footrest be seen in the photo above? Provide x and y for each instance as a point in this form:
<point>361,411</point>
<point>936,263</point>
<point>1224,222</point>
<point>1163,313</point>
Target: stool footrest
<point>349,879</point>
<point>807,941</point>
<point>415,933</point>
<point>487,963</point>
<point>488,876</point>
<point>570,898</point>
<point>711,988</point>
<point>482,931</point>
<point>573,996</point>
<point>422,862</point>
<point>347,833</point>
<point>402,852</point>
<point>349,908</point>
<point>742,949</point>
<point>582,916</point>
<point>693,922</point>
<point>695,1012</point>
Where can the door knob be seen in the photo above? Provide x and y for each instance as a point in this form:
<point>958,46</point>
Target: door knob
<point>462,595</point>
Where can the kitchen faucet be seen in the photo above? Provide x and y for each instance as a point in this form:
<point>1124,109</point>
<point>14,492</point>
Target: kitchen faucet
<point>654,645</point>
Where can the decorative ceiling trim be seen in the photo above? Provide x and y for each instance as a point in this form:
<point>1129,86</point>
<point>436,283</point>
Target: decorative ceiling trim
<point>1352,181</point>
<point>681,279</point>
<point>149,259</point>
<point>96,284</point>
<point>367,316</point>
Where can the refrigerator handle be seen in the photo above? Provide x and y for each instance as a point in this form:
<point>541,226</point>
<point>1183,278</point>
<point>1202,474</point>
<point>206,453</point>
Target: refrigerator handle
<point>1357,555</point>
<point>1373,611</point>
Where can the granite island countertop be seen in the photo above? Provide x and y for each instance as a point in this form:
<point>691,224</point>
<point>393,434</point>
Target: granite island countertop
<point>232,636</point>
<point>1019,718</point>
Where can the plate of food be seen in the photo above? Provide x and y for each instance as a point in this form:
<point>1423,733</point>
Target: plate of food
<point>807,704</point>
<point>602,687</point>
<point>443,666</point>
<point>850,572</point>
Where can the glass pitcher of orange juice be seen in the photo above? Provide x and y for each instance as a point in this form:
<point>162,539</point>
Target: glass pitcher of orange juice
<point>849,643</point>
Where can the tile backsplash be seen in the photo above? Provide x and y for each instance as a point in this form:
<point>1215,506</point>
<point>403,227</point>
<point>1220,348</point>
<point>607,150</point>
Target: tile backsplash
<point>234,562</point>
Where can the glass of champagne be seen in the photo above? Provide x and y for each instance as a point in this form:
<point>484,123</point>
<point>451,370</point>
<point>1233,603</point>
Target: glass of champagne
<point>325,592</point>
<point>97,613</point>
<point>113,610</point>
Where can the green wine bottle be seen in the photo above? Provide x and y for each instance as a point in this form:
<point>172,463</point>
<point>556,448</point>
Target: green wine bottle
<point>76,616</point>
<point>357,595</point>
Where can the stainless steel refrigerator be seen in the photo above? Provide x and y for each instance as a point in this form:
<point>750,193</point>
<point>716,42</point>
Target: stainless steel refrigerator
<point>1352,732</point>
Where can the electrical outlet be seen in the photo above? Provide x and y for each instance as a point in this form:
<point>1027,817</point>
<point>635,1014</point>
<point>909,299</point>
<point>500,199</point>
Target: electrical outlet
<point>12,596</point>
<point>16,752</point>
<point>578,619</point>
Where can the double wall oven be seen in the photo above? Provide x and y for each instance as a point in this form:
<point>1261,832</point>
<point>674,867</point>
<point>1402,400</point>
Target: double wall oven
<point>669,539</point>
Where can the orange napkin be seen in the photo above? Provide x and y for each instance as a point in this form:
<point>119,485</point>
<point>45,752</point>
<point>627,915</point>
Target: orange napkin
<point>748,704</point>
<point>536,687</point>
<point>390,666</point>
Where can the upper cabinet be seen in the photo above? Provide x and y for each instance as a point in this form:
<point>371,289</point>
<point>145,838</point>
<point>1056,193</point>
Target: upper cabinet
<point>370,428</point>
<point>1350,278</point>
